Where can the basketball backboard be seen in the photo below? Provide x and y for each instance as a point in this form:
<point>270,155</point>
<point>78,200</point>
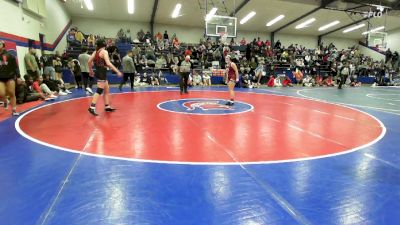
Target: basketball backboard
<point>217,25</point>
<point>377,40</point>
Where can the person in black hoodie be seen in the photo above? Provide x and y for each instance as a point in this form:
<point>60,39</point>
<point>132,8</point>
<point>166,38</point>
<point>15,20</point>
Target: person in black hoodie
<point>8,73</point>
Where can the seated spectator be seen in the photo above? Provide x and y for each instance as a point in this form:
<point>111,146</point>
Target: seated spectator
<point>287,82</point>
<point>154,80</point>
<point>246,81</point>
<point>328,81</point>
<point>42,88</point>
<point>149,53</point>
<point>145,80</point>
<point>188,51</point>
<point>197,80</point>
<point>298,75</point>
<point>53,85</point>
<point>22,91</point>
<point>318,80</point>
<point>308,81</point>
<point>71,38</point>
<point>207,79</point>
<point>175,43</point>
<point>116,58</point>
<point>271,81</point>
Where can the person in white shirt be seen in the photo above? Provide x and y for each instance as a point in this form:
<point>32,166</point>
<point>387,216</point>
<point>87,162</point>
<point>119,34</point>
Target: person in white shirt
<point>83,61</point>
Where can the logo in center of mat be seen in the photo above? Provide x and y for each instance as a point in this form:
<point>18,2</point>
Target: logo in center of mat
<point>204,106</point>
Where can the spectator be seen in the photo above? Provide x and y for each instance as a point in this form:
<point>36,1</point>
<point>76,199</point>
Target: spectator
<point>47,61</point>
<point>84,63</point>
<point>207,79</point>
<point>196,79</point>
<point>243,42</point>
<point>75,69</point>
<point>31,64</point>
<point>129,70</point>
<point>43,90</point>
<point>91,40</point>
<point>287,82</point>
<point>79,37</point>
<point>166,37</point>
<point>188,51</point>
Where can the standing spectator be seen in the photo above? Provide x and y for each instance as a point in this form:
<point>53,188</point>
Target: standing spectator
<point>76,71</point>
<point>83,61</point>
<point>58,68</point>
<point>166,37</point>
<point>278,45</point>
<point>129,70</point>
<point>30,63</point>
<point>91,40</point>
<point>79,37</point>
<point>47,61</point>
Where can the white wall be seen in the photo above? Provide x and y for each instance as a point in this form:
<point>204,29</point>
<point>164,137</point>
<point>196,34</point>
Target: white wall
<point>18,22</point>
<point>107,28</point>
<point>340,43</point>
<point>310,42</point>
<point>393,40</point>
<point>184,34</point>
<point>371,53</point>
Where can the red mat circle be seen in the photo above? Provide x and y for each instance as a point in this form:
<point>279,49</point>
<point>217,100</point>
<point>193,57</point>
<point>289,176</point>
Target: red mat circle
<point>280,128</point>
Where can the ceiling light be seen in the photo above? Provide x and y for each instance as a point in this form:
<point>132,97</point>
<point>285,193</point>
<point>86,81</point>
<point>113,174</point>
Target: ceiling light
<point>374,30</point>
<point>211,13</point>
<point>354,28</point>
<point>272,22</point>
<point>89,5</point>
<point>246,18</point>
<point>334,23</point>
<point>131,7</point>
<point>304,24</point>
<point>176,11</point>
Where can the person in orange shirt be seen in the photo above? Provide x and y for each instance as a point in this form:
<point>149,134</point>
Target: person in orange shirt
<point>159,36</point>
<point>299,76</point>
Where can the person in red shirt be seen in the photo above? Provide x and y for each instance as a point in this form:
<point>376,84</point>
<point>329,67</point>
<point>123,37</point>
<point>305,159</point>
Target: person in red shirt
<point>268,43</point>
<point>188,51</point>
<point>41,88</point>
<point>271,81</point>
<point>287,82</point>
<point>232,77</point>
